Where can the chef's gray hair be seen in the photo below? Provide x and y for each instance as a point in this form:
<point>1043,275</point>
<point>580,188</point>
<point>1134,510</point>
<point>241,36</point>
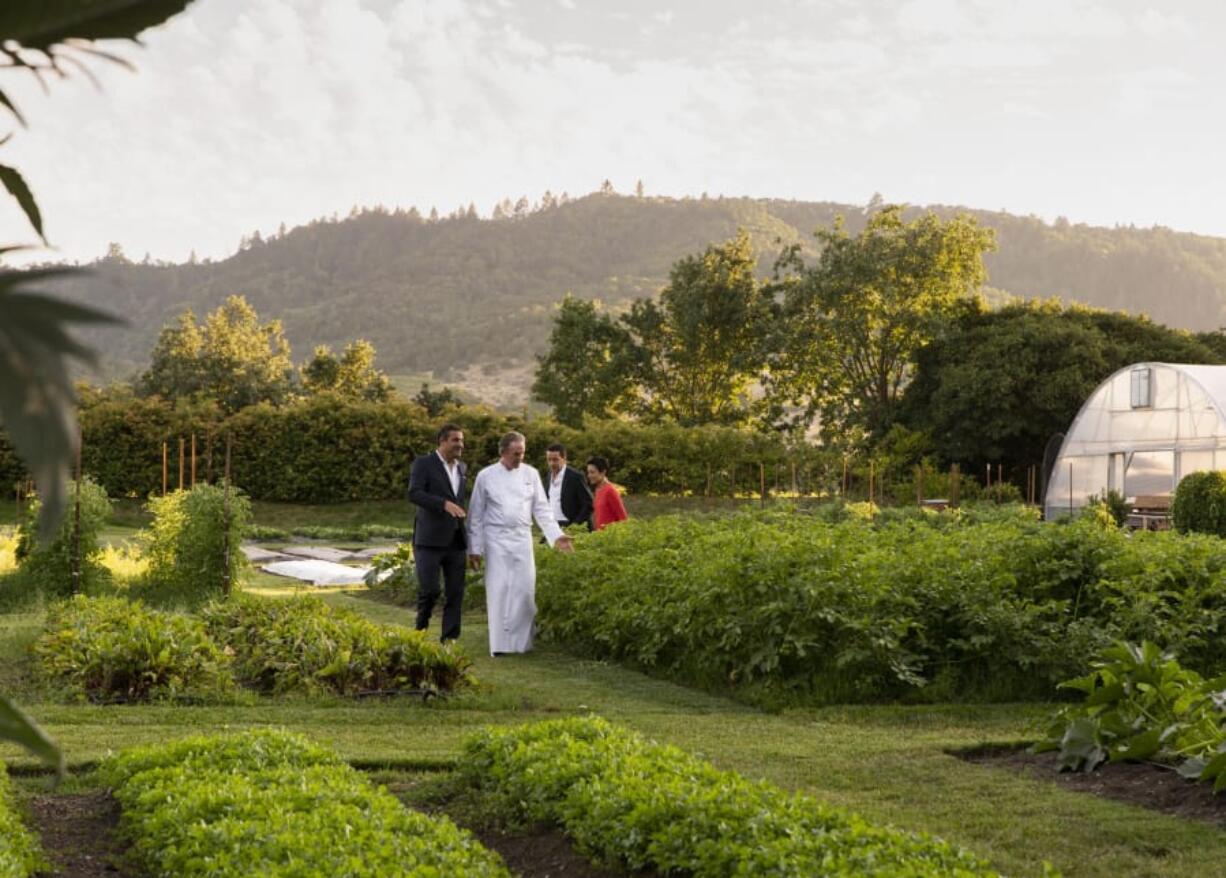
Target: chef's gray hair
<point>510,439</point>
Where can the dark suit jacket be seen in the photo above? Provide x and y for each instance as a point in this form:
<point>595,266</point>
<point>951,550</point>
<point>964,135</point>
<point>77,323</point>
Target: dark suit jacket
<point>576,496</point>
<point>429,489</point>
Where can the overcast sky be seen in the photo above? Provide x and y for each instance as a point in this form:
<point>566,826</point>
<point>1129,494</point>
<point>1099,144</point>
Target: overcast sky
<point>243,115</point>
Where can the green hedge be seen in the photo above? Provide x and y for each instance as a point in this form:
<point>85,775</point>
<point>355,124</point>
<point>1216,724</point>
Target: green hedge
<point>20,853</point>
<point>110,649</point>
<point>638,805</point>
<point>272,804</point>
<point>302,645</point>
<point>326,450</point>
<point>797,607</point>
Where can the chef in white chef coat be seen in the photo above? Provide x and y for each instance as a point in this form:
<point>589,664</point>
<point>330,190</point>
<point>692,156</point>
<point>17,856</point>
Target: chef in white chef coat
<point>506,497</point>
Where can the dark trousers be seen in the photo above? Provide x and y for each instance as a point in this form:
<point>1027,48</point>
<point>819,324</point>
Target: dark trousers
<point>430,561</point>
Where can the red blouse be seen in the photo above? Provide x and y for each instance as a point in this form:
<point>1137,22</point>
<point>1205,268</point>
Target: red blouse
<point>607,506</point>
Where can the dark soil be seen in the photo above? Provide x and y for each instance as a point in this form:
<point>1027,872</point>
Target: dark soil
<point>1156,787</point>
<point>78,833</point>
<point>542,853</point>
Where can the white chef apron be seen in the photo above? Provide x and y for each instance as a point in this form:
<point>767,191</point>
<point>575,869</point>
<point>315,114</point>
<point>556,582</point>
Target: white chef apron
<point>510,588</point>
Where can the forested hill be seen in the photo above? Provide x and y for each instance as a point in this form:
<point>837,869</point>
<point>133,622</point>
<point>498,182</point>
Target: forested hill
<point>461,291</point>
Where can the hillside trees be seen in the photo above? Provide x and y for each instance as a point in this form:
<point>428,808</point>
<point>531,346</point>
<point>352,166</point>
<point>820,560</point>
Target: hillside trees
<point>690,356</point>
<point>587,369</point>
<point>353,375</point>
<point>232,358</point>
<point>856,319</point>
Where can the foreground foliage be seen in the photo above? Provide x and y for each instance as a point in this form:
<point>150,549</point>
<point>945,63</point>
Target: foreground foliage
<point>20,853</point>
<point>788,607</point>
<point>638,805</point>
<point>1140,704</point>
<point>302,645</point>
<point>111,649</point>
<point>47,565</point>
<point>269,803</point>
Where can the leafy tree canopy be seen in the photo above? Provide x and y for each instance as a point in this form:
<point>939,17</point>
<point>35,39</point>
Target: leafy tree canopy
<point>232,358</point>
<point>691,355</point>
<point>857,318</point>
<point>352,376</point>
<point>998,384</point>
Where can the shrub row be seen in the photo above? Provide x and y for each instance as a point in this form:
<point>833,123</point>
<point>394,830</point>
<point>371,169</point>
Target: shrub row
<point>20,853</point>
<point>326,450</point>
<point>112,649</point>
<point>191,533</point>
<point>794,607</point>
<point>354,533</point>
<point>639,805</point>
<point>271,804</point>
<point>302,645</point>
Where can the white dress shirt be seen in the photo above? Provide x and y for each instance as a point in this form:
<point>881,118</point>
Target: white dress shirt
<point>453,473</point>
<point>555,494</point>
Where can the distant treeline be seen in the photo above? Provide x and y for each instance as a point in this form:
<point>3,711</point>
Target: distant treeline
<point>446,293</point>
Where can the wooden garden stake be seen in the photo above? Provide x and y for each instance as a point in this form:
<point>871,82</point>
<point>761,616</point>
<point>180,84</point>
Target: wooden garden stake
<point>225,526</point>
<point>871,481</point>
<point>75,569</point>
<point>955,484</point>
<point>844,476</point>
<point>165,466</point>
<point>182,444</point>
<point>795,486</point>
<point>762,481</point>
<point>193,482</point>
<point>1070,487</point>
<point>919,486</point>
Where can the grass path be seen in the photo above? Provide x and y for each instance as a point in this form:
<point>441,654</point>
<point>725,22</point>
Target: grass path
<point>887,763</point>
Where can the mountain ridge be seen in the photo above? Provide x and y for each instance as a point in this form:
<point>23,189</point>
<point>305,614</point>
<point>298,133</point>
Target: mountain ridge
<point>439,296</point>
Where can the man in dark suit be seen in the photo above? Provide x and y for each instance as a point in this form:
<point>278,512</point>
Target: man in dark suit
<point>436,488</point>
<point>567,490</point>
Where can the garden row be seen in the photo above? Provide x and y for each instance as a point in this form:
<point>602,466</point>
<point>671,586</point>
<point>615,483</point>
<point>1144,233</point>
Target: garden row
<point>822,607</point>
<point>1142,705</point>
<point>328,450</point>
<point>269,803</point>
<point>20,853</point>
<point>109,649</point>
<point>637,805</point>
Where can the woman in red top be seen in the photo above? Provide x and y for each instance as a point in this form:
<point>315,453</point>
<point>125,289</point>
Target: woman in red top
<point>607,502</point>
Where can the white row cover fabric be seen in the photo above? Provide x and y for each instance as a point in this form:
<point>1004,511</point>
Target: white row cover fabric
<point>320,572</point>
<point>1139,433</point>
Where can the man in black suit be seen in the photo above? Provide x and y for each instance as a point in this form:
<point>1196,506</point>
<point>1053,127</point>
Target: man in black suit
<point>436,488</point>
<point>567,490</point>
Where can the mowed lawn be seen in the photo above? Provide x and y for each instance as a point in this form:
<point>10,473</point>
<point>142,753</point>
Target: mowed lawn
<point>888,763</point>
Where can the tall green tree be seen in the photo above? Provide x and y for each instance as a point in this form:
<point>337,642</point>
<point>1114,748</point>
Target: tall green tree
<point>352,376</point>
<point>692,355</point>
<point>588,367</point>
<point>232,358</point>
<point>1000,383</point>
<point>857,318</point>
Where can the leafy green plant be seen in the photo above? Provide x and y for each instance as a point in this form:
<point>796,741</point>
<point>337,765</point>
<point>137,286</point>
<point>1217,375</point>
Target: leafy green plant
<point>1141,704</point>
<point>1199,505</point>
<point>638,805</point>
<point>1115,505</point>
<point>20,852</point>
<point>786,607</point>
<point>302,645</point>
<point>110,649</point>
<point>190,537</point>
<point>48,565</point>
<point>270,803</point>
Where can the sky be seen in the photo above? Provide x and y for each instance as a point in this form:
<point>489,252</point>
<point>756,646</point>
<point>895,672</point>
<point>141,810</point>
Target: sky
<point>241,116</point>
